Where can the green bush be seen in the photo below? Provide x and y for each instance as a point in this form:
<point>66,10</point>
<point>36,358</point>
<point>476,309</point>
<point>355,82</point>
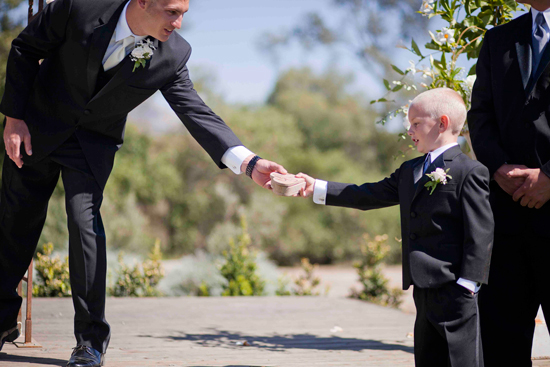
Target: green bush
<point>139,280</point>
<point>306,283</point>
<point>52,274</point>
<point>240,268</point>
<point>375,285</point>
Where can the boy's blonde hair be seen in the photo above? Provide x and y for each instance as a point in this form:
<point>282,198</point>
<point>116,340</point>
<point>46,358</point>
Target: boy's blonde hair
<point>443,101</point>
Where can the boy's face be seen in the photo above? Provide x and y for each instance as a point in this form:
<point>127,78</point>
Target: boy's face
<point>424,130</point>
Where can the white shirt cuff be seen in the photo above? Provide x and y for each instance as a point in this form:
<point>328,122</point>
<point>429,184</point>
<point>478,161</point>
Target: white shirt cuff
<point>233,158</point>
<point>320,192</point>
<point>468,284</point>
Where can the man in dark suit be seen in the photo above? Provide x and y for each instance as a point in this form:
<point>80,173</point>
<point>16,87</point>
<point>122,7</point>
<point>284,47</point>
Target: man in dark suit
<point>447,232</point>
<point>66,116</point>
<point>510,133</point>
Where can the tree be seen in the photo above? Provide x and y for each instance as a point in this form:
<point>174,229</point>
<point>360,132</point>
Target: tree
<point>363,29</point>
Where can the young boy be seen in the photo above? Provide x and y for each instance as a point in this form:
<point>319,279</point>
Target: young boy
<point>447,233</point>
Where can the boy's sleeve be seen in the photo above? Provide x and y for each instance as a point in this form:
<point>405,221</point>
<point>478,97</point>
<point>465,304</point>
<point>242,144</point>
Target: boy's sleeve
<point>478,225</point>
<point>367,196</point>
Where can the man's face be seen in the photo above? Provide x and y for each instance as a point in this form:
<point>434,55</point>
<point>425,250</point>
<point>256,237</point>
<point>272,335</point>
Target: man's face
<point>424,130</point>
<point>163,17</point>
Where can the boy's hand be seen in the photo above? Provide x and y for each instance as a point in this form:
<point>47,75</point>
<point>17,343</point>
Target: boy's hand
<point>310,183</point>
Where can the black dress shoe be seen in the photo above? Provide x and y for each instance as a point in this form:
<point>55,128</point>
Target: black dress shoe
<point>84,356</point>
<point>9,335</point>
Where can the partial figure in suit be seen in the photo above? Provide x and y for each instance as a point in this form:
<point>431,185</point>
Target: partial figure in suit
<point>66,116</point>
<point>510,131</point>
<point>447,233</point>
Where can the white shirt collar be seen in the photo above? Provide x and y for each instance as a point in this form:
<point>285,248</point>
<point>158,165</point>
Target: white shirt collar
<point>546,14</point>
<point>122,29</point>
<point>437,152</point>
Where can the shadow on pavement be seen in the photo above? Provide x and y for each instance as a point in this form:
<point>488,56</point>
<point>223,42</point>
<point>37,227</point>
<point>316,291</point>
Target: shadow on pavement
<point>275,343</point>
<point>34,360</point>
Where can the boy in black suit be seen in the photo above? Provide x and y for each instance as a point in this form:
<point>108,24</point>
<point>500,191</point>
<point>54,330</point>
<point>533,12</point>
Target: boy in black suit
<point>446,225</point>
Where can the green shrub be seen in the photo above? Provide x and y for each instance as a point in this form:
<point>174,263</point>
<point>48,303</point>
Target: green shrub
<point>139,280</point>
<point>52,274</point>
<point>375,285</point>
<point>306,283</point>
<point>240,268</point>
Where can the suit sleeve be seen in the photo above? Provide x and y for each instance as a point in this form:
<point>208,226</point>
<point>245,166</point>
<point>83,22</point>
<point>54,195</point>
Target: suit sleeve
<point>37,41</point>
<point>482,118</point>
<point>365,197</point>
<point>205,126</point>
<point>478,225</point>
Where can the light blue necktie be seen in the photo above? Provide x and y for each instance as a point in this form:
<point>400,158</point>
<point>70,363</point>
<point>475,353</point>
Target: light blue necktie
<point>427,162</point>
<point>539,40</point>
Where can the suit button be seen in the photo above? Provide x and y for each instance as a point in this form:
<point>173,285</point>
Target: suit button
<point>413,215</point>
<point>412,236</point>
<point>87,112</point>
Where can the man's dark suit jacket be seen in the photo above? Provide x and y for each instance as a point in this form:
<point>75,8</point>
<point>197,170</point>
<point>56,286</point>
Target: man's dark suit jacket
<point>57,98</point>
<point>509,118</point>
<point>446,235</point>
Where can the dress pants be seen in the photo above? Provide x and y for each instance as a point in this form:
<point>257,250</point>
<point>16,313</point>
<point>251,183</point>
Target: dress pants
<point>446,329</point>
<point>519,282</point>
<point>23,206</point>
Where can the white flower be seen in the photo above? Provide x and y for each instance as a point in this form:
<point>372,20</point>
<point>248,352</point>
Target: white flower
<point>138,53</point>
<point>412,68</point>
<point>470,80</point>
<point>406,123</point>
<point>440,175</point>
<point>141,53</point>
<point>445,36</point>
<point>427,7</point>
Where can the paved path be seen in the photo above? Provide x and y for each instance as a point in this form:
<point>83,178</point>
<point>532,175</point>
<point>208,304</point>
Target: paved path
<point>205,332</point>
<point>281,331</point>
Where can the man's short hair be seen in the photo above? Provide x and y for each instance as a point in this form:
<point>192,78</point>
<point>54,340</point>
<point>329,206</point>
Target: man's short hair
<point>443,101</point>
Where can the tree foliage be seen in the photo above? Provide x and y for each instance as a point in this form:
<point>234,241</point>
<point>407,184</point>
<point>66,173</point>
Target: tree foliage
<point>368,29</point>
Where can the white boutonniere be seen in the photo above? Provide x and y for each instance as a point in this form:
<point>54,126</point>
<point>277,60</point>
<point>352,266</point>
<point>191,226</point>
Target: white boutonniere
<point>142,53</point>
<point>437,177</point>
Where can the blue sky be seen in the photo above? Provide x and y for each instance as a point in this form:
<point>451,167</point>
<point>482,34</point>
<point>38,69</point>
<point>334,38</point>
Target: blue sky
<point>224,36</point>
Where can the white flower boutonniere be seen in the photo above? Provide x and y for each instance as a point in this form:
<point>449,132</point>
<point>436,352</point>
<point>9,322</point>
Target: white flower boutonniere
<point>437,177</point>
<point>142,53</point>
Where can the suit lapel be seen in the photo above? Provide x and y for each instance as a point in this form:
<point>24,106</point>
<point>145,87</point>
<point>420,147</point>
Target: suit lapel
<point>439,162</point>
<point>525,51</point>
<point>417,170</point>
<point>125,72</point>
<point>543,64</point>
<point>100,40</point>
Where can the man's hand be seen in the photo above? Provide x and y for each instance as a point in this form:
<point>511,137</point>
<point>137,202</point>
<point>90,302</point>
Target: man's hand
<point>262,170</point>
<point>509,183</point>
<point>535,191</point>
<point>310,185</point>
<point>15,133</point>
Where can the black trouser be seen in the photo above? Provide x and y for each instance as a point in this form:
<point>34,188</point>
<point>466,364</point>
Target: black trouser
<point>23,206</point>
<point>446,330</point>
<point>518,284</point>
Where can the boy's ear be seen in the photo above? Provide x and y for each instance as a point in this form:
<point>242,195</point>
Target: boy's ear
<point>444,123</point>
